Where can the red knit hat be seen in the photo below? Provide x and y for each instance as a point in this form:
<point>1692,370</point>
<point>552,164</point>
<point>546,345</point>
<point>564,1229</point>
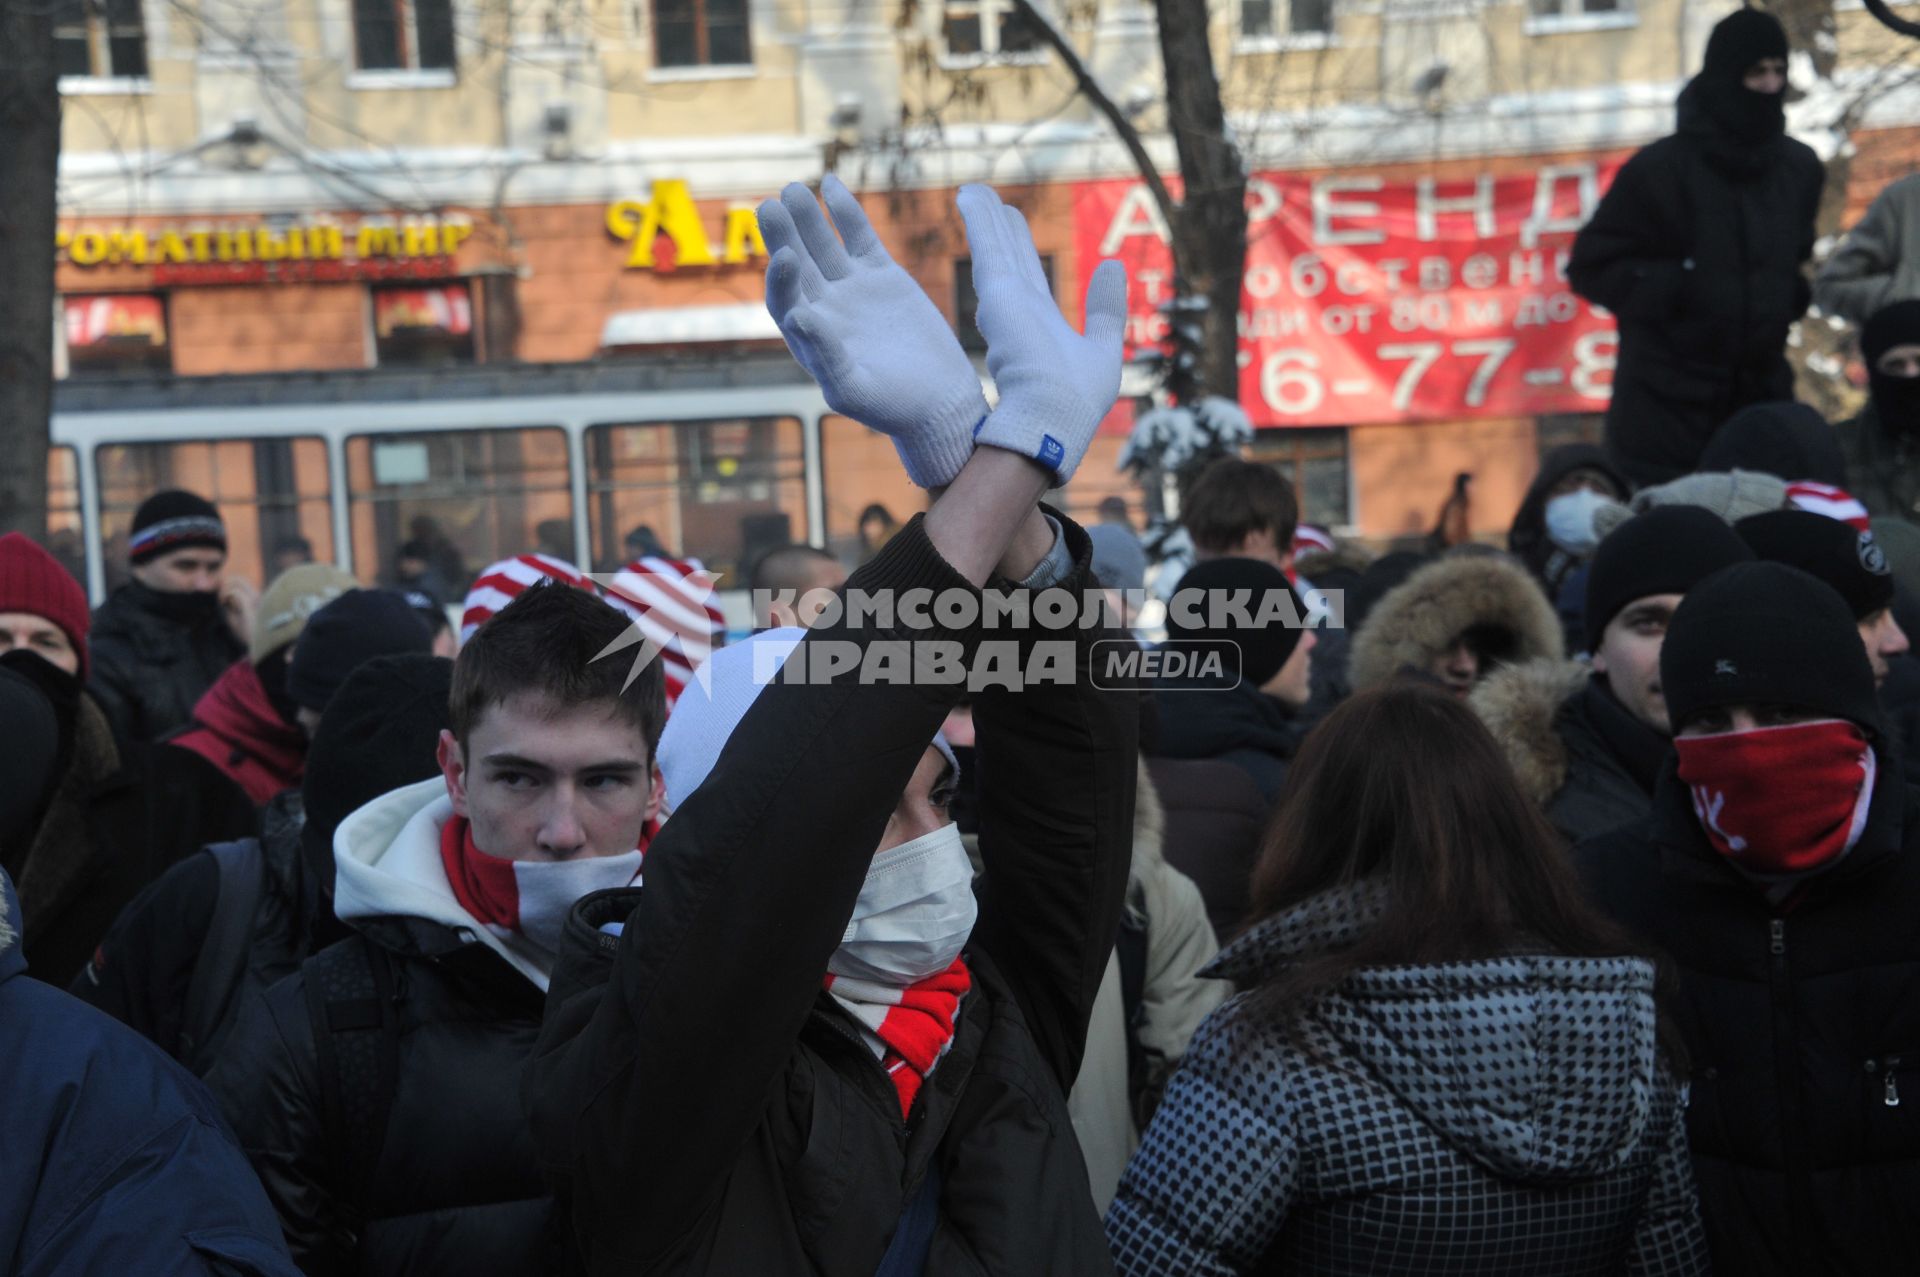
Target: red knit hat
<point>32,581</point>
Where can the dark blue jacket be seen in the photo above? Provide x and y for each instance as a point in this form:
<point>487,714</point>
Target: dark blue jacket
<point>114,1160</point>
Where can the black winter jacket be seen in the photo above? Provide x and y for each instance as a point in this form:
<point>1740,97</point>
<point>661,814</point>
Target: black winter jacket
<point>707,1111</point>
<point>119,817</point>
<point>1803,1023</point>
<point>456,1189</point>
<point>1214,820</point>
<point>1238,724</point>
<point>1883,466</point>
<point>1508,1115</point>
<point>148,667</point>
<point>143,969</point>
<point>1697,248</point>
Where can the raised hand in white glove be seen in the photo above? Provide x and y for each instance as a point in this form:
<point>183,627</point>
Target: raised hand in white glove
<point>866,332</point>
<point>1055,384</point>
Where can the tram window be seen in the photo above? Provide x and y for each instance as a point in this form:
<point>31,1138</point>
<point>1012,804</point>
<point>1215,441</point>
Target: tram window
<point>114,333</point>
<point>723,492</point>
<point>860,469</point>
<point>269,491</point>
<point>66,533</point>
<point>456,500</point>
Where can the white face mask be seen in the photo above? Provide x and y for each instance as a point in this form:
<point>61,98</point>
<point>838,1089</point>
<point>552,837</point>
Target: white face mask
<point>915,912</point>
<point>1570,521</point>
<point>550,888</point>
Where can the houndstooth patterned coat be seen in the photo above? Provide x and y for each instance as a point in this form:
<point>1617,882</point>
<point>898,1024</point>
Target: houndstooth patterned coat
<point>1504,1116</point>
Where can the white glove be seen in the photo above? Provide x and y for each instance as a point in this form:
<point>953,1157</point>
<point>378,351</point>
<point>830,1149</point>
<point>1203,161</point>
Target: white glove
<point>864,330</point>
<point>1055,385</point>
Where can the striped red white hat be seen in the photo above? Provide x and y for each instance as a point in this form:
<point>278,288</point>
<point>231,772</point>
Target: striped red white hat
<point>672,604</point>
<point>503,582</point>
<point>1824,498</point>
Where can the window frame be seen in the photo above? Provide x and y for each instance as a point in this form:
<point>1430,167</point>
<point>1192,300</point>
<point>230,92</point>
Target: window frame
<point>1572,17</point>
<point>100,30</point>
<point>410,73</point>
<point>703,64</point>
<point>991,14</point>
<point>1276,40</point>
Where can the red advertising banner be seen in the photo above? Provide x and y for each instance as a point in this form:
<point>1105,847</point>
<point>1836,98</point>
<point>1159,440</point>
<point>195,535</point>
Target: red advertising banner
<point>1369,300</point>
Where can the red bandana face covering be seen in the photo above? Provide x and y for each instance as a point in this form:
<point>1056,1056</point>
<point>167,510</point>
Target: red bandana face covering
<point>1779,801</point>
<point>529,899</point>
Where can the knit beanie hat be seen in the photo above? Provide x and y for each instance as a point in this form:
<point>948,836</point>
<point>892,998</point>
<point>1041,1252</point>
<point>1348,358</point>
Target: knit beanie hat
<point>1119,560</point>
<point>379,733</point>
<point>294,596</point>
<point>174,520</point>
<point>1787,439</point>
<point>700,725</point>
<point>346,634</point>
<point>426,607</point>
<point>671,603</point>
<point>29,755</point>
<point>1741,39</point>
<point>501,583</point>
<point>32,581</point>
<point>1667,550</point>
<point>1849,560</point>
<point>1733,496</point>
<point>1254,652</point>
<point>1766,633</point>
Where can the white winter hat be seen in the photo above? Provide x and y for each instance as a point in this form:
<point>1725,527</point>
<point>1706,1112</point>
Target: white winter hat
<point>704,717</point>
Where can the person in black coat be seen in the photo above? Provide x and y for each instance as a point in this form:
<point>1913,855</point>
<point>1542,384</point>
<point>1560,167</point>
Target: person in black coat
<point>1587,741</point>
<point>725,1088</point>
<point>1780,872</point>
<point>379,733</point>
<point>161,640</point>
<point>1241,709</point>
<point>376,1088</point>
<point>1697,248</point>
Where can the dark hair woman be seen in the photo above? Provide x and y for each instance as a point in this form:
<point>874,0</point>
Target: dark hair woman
<point>1443,1061</point>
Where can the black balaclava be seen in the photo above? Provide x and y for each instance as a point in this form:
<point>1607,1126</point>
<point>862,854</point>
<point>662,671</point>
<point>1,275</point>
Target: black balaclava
<point>63,692</point>
<point>28,754</point>
<point>1896,400</point>
<point>1739,40</point>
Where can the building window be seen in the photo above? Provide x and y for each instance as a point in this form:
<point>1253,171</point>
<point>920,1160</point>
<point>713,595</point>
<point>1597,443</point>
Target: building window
<point>100,38</point>
<point>416,326</point>
<point>1266,19</point>
<point>115,334</point>
<point>403,35</point>
<point>1315,461</point>
<point>966,302</point>
<point>1571,12</point>
<point>982,30</point>
<point>699,33</point>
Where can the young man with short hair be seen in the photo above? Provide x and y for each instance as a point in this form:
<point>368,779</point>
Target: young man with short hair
<point>161,640</point>
<point>1241,509</point>
<point>812,1049</point>
<point>1779,872</point>
<point>458,887</point>
<point>1587,741</point>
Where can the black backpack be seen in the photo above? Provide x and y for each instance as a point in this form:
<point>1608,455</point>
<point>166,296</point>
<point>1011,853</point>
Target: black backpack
<point>352,1006</point>
<point>221,968</point>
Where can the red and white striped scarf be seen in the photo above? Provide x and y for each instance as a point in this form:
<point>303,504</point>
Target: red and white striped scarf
<point>913,1026</point>
<point>1824,498</point>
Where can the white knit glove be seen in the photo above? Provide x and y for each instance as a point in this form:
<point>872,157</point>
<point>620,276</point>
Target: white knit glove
<point>1055,385</point>
<point>864,330</point>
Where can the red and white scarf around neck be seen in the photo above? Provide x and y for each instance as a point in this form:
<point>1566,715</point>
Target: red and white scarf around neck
<point>913,1025</point>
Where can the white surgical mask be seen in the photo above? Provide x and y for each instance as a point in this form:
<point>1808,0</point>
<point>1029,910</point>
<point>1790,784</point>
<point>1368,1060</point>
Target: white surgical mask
<point>550,888</point>
<point>1570,521</point>
<point>914,914</point>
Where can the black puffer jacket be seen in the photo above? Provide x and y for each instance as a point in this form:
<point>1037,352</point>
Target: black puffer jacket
<point>120,815</point>
<point>455,1188</point>
<point>1501,1116</point>
<point>1232,722</point>
<point>1579,754</point>
<point>152,658</point>
<point>142,971</point>
<point>1697,248</point>
<point>1804,1028</point>
<point>709,1111</point>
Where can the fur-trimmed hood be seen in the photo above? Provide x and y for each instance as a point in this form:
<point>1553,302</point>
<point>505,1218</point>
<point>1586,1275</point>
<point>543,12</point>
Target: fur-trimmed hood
<point>1518,704</point>
<point>1420,617</point>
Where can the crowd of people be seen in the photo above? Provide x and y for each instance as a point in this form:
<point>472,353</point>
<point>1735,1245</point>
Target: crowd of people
<point>1543,909</point>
